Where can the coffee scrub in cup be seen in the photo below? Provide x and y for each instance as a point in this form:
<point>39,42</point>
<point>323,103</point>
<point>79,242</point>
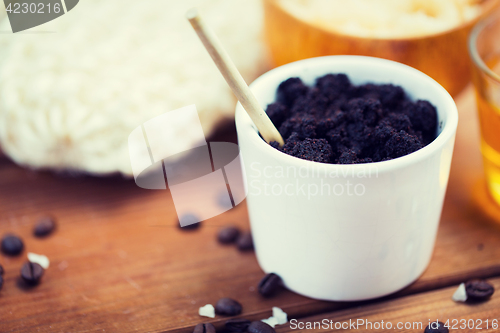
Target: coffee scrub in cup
<point>348,208</point>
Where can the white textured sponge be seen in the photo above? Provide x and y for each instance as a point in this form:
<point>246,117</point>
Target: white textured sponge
<point>70,96</point>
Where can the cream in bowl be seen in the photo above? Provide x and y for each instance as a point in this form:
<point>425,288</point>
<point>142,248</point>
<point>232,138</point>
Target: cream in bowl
<point>385,18</point>
<point>429,35</point>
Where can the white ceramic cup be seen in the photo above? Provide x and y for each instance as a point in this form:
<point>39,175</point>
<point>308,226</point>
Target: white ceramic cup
<point>346,232</point>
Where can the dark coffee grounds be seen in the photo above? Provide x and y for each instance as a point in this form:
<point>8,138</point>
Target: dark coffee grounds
<point>337,122</point>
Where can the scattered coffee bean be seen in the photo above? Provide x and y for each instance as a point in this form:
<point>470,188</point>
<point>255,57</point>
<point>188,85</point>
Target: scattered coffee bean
<point>237,325</point>
<point>436,328</point>
<point>188,218</point>
<point>269,284</point>
<point>228,235</point>
<point>204,328</point>
<point>245,242</point>
<point>12,245</point>
<point>44,227</point>
<point>228,307</point>
<point>31,273</point>
<point>260,327</point>
<point>478,290</point>
<point>1,270</point>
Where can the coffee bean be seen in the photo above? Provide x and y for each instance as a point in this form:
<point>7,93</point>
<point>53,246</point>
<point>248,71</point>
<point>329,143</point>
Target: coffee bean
<point>478,290</point>
<point>228,307</point>
<point>44,227</point>
<point>1,270</point>
<point>260,327</point>
<point>245,242</point>
<point>228,235</point>
<point>237,325</point>
<point>204,328</point>
<point>12,245</point>
<point>436,328</point>
<point>31,273</point>
<point>187,218</point>
<point>269,284</point>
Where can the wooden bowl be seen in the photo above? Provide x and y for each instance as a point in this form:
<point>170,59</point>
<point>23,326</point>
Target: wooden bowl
<point>443,56</point>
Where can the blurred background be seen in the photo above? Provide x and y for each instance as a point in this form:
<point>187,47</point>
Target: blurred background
<point>73,89</point>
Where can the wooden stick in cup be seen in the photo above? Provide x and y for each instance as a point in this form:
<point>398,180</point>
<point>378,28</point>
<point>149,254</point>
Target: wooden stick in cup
<point>234,79</point>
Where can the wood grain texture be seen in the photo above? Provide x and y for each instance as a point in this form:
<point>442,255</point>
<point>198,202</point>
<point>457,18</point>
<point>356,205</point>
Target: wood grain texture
<point>415,311</point>
<point>120,264</point>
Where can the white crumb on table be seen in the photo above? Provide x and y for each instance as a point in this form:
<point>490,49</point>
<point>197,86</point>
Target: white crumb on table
<point>271,321</point>
<point>460,294</point>
<point>279,317</point>
<point>207,311</point>
<point>39,259</point>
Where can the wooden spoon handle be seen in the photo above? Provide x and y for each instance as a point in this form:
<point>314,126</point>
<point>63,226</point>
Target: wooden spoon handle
<point>234,79</point>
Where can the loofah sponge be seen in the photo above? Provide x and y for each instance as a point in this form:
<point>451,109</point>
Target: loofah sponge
<point>73,89</point>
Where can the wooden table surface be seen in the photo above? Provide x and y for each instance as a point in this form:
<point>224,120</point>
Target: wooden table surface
<point>120,264</point>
